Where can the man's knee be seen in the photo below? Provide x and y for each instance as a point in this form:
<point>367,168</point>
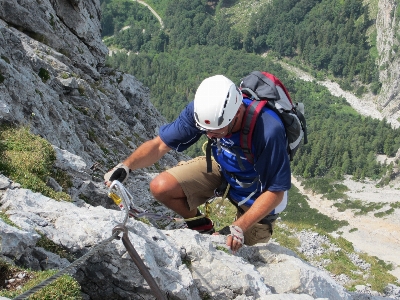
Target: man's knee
<point>158,186</point>
<point>165,186</point>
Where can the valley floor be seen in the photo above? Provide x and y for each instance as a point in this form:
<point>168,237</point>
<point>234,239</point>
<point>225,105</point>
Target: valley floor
<point>378,237</point>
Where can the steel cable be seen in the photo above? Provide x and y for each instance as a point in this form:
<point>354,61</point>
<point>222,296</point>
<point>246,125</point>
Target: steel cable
<point>79,261</point>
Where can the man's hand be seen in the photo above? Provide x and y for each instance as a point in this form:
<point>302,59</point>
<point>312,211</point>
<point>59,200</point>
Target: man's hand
<point>120,172</point>
<point>235,239</point>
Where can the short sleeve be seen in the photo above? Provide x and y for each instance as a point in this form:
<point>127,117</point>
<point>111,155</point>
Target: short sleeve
<point>182,132</point>
<point>271,158</point>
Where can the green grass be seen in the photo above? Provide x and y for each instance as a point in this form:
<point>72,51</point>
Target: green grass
<point>50,246</point>
<point>384,213</point>
<point>326,186</point>
<point>395,205</point>
<point>63,288</point>
<point>340,264</point>
<point>28,160</point>
<point>6,220</point>
<point>335,191</point>
<point>223,249</point>
<point>241,13</point>
<point>224,215</point>
<point>379,277</point>
<point>362,207</point>
<point>299,213</point>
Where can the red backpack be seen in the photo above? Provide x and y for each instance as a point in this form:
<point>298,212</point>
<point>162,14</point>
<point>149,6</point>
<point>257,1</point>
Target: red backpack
<point>266,89</point>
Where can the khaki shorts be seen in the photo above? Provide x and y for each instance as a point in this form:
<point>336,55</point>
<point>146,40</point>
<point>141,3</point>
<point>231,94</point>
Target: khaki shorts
<point>258,233</point>
<point>197,184</point>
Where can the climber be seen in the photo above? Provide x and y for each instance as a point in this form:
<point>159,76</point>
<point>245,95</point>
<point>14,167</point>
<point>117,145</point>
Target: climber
<point>258,190</point>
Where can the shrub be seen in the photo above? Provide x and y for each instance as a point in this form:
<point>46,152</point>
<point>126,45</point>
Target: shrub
<point>44,74</point>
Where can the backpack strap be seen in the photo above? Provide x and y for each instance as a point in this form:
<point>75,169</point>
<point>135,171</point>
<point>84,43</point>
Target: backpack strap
<point>249,122</point>
<point>208,156</point>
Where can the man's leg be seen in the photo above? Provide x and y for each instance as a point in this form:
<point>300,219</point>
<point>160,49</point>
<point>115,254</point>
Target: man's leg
<point>186,186</point>
<point>167,190</point>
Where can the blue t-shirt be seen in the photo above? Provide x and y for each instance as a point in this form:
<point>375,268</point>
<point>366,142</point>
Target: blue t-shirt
<point>271,168</point>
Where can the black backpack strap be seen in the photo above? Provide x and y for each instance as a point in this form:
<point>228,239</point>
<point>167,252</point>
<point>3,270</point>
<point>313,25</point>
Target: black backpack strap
<point>303,125</point>
<point>235,150</point>
<point>208,156</point>
<point>249,122</point>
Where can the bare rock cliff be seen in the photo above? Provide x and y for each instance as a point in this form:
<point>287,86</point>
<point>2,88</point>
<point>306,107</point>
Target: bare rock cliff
<point>387,25</point>
<point>53,79</point>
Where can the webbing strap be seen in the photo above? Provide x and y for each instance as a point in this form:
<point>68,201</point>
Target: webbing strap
<point>208,156</point>
<point>237,154</point>
<point>242,184</point>
<point>250,118</point>
<point>303,124</point>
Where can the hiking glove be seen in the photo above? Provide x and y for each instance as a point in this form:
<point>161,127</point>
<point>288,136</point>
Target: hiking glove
<point>120,172</point>
<point>237,233</point>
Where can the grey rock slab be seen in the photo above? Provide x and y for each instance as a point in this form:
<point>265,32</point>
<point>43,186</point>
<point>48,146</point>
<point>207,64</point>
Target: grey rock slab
<point>14,241</point>
<point>291,297</point>
<point>4,182</point>
<point>287,274</point>
<point>218,274</point>
<point>79,229</point>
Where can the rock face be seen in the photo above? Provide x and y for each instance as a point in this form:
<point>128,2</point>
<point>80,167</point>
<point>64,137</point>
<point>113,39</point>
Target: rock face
<point>185,264</point>
<point>53,79</point>
<point>389,62</point>
<point>257,272</point>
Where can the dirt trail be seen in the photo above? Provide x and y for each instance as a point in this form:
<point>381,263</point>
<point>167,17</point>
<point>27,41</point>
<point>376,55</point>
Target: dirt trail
<point>378,237</point>
<point>364,105</point>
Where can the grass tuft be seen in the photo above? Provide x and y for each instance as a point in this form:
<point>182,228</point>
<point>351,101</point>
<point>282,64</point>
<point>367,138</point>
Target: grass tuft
<point>28,159</point>
<point>63,288</point>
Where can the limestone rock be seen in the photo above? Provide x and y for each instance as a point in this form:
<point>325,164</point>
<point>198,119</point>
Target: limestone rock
<point>14,242</point>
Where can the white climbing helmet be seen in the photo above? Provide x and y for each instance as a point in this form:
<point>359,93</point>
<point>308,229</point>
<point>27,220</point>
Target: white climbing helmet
<point>216,102</point>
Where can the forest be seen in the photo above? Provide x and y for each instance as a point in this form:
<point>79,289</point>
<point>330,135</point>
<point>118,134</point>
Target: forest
<point>200,40</point>
<point>327,35</point>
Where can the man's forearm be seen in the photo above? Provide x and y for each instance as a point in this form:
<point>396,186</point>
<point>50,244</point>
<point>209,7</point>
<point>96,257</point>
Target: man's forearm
<point>147,154</point>
<point>263,205</point>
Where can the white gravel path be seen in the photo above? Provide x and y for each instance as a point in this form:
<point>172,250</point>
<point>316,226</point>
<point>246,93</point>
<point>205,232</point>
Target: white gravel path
<point>378,237</point>
<point>364,106</point>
